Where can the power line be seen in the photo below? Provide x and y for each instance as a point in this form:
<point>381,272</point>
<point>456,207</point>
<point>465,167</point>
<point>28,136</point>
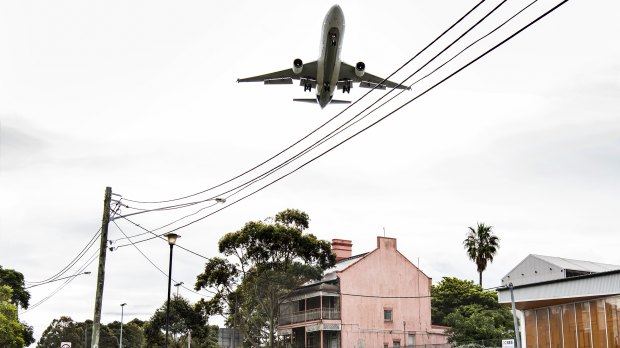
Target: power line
<point>425,76</point>
<point>374,123</point>
<point>317,129</point>
<point>377,296</point>
<point>249,183</point>
<point>64,270</point>
<point>157,236</point>
<point>339,130</point>
<point>379,120</point>
<point>152,263</point>
<point>88,262</point>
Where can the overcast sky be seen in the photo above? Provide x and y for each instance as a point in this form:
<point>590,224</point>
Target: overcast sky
<point>142,96</point>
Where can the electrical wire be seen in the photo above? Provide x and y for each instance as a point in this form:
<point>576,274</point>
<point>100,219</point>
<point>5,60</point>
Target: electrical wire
<point>160,237</point>
<point>340,129</point>
<point>380,119</point>
<point>425,76</point>
<point>151,262</point>
<point>243,186</point>
<point>46,298</point>
<point>77,258</point>
<point>318,128</point>
<point>377,296</point>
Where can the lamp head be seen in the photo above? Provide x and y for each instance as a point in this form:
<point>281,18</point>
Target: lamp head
<point>123,304</point>
<point>172,238</point>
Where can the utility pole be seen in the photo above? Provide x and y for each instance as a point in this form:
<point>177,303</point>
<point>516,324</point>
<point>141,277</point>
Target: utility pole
<point>100,274</point>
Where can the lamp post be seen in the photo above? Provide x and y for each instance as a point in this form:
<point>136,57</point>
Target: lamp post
<point>172,239</point>
<point>120,341</point>
<point>177,286</point>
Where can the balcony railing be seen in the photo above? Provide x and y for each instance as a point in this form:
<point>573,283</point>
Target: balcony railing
<point>309,315</point>
<point>331,313</point>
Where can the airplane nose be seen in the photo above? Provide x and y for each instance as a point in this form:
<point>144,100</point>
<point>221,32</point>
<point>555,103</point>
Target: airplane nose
<point>322,101</point>
<point>336,10</point>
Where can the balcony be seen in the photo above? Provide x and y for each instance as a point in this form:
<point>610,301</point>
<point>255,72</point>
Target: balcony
<point>309,315</point>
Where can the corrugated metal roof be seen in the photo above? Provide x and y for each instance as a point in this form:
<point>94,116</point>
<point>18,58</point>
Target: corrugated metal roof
<point>578,265</point>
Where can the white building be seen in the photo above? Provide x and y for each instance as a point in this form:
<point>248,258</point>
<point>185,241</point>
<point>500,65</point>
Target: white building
<point>565,303</point>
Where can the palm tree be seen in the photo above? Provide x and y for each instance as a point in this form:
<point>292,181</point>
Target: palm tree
<point>481,246</point>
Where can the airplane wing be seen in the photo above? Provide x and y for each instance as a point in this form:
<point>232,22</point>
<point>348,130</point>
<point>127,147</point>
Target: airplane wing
<point>285,76</point>
<point>347,72</point>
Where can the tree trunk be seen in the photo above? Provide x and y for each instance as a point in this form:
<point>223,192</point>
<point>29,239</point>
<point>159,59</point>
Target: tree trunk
<point>271,333</point>
<point>480,278</point>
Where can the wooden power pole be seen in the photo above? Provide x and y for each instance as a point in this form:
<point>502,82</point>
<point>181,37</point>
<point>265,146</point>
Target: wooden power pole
<point>101,272</point>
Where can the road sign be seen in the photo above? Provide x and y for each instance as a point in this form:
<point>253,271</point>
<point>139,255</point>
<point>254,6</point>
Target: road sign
<point>508,343</point>
<point>65,344</point>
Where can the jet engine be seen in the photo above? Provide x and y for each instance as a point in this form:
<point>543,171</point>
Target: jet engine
<point>298,65</point>
<point>359,69</point>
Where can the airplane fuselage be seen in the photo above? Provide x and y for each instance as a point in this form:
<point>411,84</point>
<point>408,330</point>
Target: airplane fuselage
<point>328,68</point>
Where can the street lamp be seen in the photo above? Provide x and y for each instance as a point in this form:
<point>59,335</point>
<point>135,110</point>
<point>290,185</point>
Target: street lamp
<point>120,342</point>
<point>177,286</point>
<point>172,239</point>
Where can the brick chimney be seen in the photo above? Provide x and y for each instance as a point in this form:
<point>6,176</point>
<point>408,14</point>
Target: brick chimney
<point>342,248</point>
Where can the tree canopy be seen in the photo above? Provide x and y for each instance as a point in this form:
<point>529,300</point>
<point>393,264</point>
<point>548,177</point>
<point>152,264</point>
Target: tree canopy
<point>11,330</point>
<point>472,313</point>
<point>263,262</point>
<point>65,329</point>
<point>481,246</point>
<point>15,280</point>
<point>184,318</point>
<point>18,297</point>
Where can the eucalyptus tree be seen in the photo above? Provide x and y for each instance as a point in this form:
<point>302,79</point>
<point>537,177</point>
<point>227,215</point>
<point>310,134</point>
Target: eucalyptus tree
<point>262,263</point>
<point>185,321</point>
<point>19,297</point>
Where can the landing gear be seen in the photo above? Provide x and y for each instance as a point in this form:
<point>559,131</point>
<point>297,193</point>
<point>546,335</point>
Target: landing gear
<point>326,87</point>
<point>333,37</point>
<point>308,87</point>
<point>346,87</point>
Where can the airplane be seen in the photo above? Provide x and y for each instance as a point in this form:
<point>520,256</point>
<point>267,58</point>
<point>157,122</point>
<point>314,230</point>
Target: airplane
<point>327,73</point>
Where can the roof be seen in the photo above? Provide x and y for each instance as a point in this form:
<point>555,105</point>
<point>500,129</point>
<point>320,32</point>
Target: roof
<point>541,268</point>
<point>330,273</point>
<point>578,265</point>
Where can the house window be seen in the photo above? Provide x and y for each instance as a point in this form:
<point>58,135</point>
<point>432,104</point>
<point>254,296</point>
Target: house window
<point>302,305</point>
<point>396,344</point>
<point>385,345</point>
<point>387,315</point>
<point>411,342</point>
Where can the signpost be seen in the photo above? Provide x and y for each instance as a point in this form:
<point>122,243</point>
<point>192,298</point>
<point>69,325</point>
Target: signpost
<point>508,343</point>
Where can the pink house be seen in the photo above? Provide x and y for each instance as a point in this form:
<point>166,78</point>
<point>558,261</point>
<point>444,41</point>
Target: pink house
<point>377,299</point>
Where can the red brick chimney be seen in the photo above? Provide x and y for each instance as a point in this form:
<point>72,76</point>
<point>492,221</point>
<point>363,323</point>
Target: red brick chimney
<point>342,248</point>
